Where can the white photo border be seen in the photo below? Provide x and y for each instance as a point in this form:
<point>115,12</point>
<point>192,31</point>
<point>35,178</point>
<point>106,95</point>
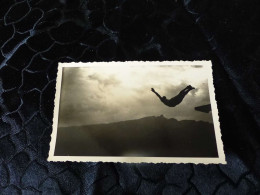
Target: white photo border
<point>124,159</point>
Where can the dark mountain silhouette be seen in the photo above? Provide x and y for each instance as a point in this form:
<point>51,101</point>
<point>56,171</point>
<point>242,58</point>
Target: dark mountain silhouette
<point>149,136</point>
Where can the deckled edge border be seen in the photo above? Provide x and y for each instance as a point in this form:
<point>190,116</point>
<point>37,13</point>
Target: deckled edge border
<point>179,160</point>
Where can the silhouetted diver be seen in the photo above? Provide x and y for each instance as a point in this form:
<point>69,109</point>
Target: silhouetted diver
<point>175,100</point>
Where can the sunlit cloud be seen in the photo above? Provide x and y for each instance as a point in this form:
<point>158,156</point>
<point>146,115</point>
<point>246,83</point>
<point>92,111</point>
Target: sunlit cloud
<point>103,94</point>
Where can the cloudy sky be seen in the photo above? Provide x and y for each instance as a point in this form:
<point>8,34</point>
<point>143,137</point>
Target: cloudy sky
<point>104,94</point>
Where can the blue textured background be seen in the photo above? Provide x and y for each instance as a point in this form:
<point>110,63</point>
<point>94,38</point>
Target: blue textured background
<point>36,34</point>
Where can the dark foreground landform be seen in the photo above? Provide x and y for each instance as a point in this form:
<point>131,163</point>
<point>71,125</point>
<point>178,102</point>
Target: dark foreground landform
<point>149,136</point>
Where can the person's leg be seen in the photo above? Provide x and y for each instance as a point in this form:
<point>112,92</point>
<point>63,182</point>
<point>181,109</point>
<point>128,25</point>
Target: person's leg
<point>178,99</point>
<point>185,92</point>
<point>185,89</point>
<point>191,87</point>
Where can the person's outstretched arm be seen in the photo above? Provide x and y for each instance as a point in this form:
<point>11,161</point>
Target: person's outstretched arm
<point>156,93</point>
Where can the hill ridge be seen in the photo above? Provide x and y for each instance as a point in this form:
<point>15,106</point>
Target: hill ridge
<point>148,136</point>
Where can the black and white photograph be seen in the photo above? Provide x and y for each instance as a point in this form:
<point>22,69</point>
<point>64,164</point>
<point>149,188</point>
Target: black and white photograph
<point>136,112</point>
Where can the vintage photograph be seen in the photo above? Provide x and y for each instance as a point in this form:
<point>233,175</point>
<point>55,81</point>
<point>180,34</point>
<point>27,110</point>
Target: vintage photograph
<point>136,112</point>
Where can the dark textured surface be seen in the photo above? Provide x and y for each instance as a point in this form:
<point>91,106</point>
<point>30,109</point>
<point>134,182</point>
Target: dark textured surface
<point>36,34</point>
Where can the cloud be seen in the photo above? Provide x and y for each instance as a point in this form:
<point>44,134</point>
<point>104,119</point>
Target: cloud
<point>111,80</point>
<point>92,95</point>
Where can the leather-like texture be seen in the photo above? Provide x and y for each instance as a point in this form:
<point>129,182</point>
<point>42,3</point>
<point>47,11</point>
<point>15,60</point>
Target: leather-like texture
<point>37,34</point>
